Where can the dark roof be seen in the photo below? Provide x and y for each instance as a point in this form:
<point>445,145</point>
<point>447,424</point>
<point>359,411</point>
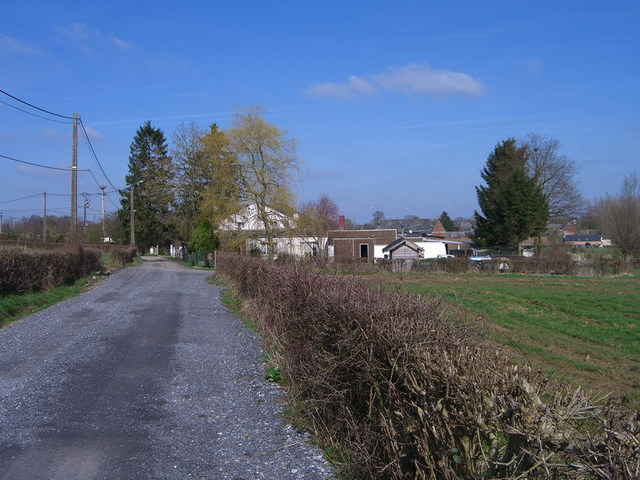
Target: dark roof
<point>418,225</point>
<point>400,242</point>
<point>463,225</point>
<point>582,238</point>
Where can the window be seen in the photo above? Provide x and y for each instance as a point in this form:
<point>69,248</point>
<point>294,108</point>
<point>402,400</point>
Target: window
<point>364,250</point>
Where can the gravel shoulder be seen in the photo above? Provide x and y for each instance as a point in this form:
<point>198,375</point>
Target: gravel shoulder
<point>146,376</point>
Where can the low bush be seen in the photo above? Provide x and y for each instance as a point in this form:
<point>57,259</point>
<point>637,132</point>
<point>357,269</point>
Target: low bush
<point>122,255</point>
<point>33,271</point>
<point>550,263</point>
<point>410,391</point>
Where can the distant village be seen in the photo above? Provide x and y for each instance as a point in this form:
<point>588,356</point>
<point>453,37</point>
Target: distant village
<point>408,238</point>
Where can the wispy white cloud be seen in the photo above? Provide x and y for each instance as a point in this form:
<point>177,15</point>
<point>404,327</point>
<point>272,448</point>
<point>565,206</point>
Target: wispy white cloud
<point>121,44</point>
<point>410,79</point>
<point>80,32</point>
<point>89,40</point>
<point>354,86</point>
<point>424,79</point>
<point>93,134</point>
<point>14,46</point>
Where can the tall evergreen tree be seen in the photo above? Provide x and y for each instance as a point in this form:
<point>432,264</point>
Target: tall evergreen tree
<point>513,205</point>
<point>446,222</point>
<point>151,176</point>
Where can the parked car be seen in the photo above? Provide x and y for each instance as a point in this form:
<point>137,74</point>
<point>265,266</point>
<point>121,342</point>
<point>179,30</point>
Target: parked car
<point>479,258</point>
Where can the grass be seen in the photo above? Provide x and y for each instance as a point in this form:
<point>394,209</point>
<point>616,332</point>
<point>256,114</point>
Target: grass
<point>232,302</point>
<point>582,330</point>
<point>15,307</point>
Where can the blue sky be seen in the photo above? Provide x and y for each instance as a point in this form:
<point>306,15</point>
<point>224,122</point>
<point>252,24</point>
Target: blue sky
<point>395,105</point>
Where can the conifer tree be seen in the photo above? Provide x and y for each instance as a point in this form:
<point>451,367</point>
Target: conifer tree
<point>513,205</point>
<point>446,222</point>
<point>151,176</point>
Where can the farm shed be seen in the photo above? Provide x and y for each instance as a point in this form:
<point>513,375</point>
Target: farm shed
<point>359,244</point>
<point>402,249</point>
<point>583,240</point>
<point>415,248</point>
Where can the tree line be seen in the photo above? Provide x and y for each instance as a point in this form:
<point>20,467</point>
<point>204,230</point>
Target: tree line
<point>181,194</point>
<point>210,174</point>
<point>528,183</point>
<point>184,193</point>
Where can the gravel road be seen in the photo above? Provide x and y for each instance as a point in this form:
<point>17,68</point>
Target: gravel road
<point>146,376</point>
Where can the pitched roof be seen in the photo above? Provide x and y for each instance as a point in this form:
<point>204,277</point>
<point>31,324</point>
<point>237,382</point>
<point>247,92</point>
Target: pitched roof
<point>400,242</point>
<point>421,225</point>
<point>582,238</point>
<point>463,225</point>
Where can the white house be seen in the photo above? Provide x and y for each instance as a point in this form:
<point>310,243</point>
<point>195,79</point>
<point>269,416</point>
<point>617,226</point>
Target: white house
<point>248,221</point>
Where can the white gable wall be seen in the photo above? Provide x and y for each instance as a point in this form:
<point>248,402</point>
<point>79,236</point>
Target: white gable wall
<point>248,219</point>
<point>432,249</point>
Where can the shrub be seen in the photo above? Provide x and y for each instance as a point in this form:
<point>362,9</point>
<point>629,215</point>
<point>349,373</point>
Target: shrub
<point>32,271</point>
<point>413,392</point>
<point>203,239</point>
<point>123,255</point>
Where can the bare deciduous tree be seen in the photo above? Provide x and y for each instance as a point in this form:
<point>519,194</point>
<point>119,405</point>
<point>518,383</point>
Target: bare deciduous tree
<point>192,176</point>
<point>317,218</point>
<point>554,172</point>
<point>619,216</point>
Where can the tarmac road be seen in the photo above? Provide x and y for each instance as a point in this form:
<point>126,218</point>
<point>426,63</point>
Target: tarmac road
<point>146,376</point>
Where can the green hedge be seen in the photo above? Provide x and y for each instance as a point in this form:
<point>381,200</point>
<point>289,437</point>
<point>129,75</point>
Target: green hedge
<point>404,389</point>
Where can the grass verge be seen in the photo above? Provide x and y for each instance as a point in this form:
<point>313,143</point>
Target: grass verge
<point>232,301</point>
<point>15,307</point>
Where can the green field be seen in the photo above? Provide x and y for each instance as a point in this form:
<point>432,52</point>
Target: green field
<point>582,330</point>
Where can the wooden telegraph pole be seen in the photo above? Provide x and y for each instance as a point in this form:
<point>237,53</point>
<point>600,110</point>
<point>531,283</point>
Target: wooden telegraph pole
<point>132,238</point>
<point>44,216</point>
<point>74,182</point>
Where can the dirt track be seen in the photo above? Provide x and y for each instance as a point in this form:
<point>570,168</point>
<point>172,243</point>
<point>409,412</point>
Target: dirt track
<point>145,376</point>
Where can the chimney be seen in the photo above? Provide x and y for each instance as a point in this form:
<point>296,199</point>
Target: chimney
<point>341,222</point>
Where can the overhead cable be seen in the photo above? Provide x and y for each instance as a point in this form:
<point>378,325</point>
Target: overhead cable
<point>37,108</point>
<point>22,198</point>
<point>43,166</point>
<point>34,115</point>
<point>86,137</point>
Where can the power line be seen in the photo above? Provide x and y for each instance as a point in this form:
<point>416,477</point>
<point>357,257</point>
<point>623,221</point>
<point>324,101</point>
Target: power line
<point>42,166</point>
<point>93,176</point>
<point>33,114</point>
<point>22,198</point>
<point>37,108</point>
<point>86,137</point>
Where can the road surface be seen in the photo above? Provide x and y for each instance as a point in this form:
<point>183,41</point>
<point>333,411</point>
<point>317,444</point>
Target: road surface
<point>146,376</point>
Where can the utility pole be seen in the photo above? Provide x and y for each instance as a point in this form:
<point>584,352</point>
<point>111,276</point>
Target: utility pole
<point>44,216</point>
<point>0,223</point>
<point>74,181</point>
<point>132,212</point>
<point>85,205</point>
<point>102,187</point>
<point>132,238</point>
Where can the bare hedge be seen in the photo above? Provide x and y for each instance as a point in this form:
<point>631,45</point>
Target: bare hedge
<point>22,272</point>
<point>553,261</point>
<point>405,390</point>
<point>123,255</point>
